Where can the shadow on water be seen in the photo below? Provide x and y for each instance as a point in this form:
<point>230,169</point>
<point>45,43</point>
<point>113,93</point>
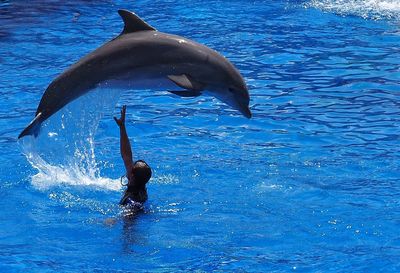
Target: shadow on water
<point>15,14</point>
<point>130,234</point>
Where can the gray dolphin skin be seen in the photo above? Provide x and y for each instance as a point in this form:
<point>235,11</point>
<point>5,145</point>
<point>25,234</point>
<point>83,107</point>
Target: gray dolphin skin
<point>142,57</point>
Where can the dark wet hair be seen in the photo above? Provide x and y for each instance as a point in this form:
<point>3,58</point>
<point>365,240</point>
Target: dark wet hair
<point>141,173</point>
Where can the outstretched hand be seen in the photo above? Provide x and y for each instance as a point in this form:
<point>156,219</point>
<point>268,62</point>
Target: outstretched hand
<point>121,121</point>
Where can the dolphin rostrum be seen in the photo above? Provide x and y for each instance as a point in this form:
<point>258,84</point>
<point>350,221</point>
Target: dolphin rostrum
<point>141,57</point>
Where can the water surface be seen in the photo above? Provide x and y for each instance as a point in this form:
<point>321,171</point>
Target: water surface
<point>310,183</point>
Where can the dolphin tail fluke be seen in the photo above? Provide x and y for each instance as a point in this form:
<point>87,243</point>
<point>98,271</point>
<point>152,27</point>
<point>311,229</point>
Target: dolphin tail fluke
<point>33,127</point>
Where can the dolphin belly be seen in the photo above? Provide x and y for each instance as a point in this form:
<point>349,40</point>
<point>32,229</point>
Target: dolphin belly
<point>140,80</point>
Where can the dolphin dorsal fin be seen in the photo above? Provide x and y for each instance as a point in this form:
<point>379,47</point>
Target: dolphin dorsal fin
<point>132,22</point>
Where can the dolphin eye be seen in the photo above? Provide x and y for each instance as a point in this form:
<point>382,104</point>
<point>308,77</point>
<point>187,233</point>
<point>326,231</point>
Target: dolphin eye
<point>231,90</point>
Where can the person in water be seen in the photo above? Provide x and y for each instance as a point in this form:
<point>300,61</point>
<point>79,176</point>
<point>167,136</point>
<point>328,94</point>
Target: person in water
<point>138,173</point>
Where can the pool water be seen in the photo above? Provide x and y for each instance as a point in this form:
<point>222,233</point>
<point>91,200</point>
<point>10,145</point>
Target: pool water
<point>310,183</point>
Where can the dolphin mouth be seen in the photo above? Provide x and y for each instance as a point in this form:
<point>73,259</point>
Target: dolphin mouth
<point>246,112</point>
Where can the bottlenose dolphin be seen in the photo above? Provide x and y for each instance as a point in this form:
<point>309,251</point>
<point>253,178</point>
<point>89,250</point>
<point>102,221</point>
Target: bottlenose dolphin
<point>141,57</point>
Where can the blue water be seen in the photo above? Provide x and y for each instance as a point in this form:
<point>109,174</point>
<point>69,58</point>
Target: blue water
<point>310,183</point>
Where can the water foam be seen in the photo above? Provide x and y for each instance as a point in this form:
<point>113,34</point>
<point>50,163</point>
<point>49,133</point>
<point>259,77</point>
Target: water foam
<point>368,9</point>
<point>63,152</point>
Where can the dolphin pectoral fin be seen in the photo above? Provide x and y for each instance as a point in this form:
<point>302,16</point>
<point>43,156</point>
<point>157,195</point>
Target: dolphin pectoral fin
<point>132,22</point>
<point>186,93</point>
<point>33,127</point>
<point>186,82</point>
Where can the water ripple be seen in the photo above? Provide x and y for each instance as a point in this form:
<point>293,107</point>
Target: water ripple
<point>318,163</point>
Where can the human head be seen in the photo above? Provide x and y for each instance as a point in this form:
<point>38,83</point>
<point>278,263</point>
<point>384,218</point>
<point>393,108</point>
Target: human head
<point>141,173</point>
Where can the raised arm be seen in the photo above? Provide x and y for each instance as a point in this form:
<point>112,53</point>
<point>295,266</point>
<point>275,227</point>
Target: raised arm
<point>125,146</point>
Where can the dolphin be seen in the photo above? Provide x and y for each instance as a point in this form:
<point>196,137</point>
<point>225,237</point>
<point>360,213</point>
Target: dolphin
<point>142,57</point>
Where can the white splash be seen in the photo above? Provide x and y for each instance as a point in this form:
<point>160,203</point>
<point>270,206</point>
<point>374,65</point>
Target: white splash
<point>368,9</point>
<point>64,151</point>
<point>50,175</point>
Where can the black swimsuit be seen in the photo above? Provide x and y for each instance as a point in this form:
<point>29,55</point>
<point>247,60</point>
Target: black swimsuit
<point>134,199</point>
